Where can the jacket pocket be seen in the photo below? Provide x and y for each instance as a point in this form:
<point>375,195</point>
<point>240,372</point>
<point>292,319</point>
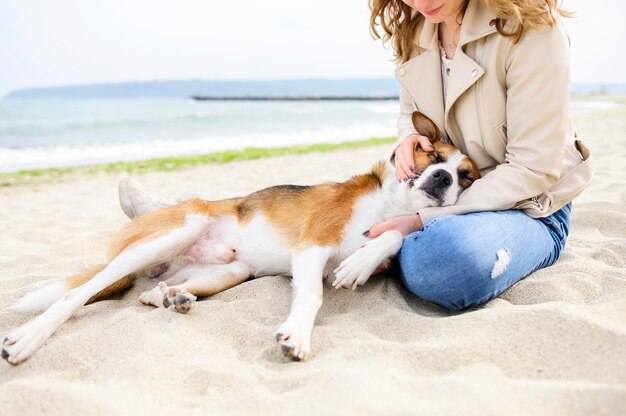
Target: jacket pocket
<point>502,132</point>
<point>495,141</point>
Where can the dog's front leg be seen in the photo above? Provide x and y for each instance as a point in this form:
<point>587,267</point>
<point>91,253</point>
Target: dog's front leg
<point>294,335</point>
<point>357,268</point>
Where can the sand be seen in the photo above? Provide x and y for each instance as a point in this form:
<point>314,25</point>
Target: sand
<point>553,344</point>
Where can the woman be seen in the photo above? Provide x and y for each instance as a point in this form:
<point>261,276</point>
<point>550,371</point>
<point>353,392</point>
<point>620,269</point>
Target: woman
<point>494,76</point>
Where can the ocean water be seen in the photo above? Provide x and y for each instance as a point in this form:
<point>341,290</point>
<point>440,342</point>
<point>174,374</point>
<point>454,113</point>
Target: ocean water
<point>37,133</point>
<point>51,133</point>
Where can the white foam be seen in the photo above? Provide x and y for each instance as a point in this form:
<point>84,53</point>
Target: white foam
<point>12,160</point>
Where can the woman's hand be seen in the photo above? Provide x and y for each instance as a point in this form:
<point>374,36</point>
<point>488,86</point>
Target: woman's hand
<point>405,224</point>
<point>405,155</point>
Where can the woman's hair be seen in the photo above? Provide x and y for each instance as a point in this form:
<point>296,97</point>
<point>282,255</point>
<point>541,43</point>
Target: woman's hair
<point>399,21</point>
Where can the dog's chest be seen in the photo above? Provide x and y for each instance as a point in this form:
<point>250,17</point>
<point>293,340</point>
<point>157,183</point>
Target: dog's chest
<point>369,210</point>
<point>261,248</point>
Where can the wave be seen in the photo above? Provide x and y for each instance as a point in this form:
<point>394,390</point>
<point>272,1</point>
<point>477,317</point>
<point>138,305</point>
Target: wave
<point>41,124</point>
<point>36,129</point>
<point>12,160</point>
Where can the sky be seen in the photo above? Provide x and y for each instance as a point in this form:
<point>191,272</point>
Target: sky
<point>68,42</point>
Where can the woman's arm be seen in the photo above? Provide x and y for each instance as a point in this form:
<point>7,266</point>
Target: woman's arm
<point>405,224</point>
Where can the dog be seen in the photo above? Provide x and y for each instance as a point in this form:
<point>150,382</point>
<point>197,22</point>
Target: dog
<point>199,248</point>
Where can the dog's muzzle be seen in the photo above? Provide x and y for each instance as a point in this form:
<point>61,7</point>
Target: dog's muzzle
<point>436,185</point>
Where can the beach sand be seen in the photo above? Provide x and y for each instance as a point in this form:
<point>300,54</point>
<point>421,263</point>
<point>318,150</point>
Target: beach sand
<point>553,344</point>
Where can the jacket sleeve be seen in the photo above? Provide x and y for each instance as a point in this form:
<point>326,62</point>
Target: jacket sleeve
<point>405,122</point>
<point>537,126</point>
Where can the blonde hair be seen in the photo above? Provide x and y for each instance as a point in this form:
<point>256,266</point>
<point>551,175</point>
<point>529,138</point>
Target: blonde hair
<point>399,21</point>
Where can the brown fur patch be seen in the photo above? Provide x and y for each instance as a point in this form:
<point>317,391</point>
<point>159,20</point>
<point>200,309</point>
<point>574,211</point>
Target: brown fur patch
<point>380,172</point>
<point>325,227</point>
<point>211,208</point>
<point>424,159</point>
<point>119,286</point>
<point>468,173</point>
<point>147,227</point>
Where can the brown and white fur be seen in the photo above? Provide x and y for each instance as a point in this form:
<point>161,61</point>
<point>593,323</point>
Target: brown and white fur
<point>203,247</point>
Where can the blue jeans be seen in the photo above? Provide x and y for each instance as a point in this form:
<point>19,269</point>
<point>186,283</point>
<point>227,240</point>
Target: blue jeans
<point>458,261</point>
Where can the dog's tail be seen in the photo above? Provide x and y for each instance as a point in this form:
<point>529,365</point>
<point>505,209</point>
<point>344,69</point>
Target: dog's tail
<point>42,298</point>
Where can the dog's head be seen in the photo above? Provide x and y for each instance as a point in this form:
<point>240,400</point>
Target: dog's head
<point>443,174</point>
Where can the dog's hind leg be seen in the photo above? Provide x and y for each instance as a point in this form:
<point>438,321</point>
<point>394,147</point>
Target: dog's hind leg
<point>180,291</point>
<point>42,298</point>
<point>294,335</point>
<point>20,344</point>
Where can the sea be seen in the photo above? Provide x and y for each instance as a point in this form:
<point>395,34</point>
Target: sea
<point>43,133</point>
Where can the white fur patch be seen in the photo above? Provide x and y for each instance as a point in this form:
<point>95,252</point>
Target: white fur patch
<point>262,248</point>
<point>504,258</point>
<point>368,211</point>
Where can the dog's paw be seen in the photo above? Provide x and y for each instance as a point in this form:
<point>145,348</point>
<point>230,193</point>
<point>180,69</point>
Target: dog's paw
<point>175,298</point>
<point>21,344</point>
<point>179,299</point>
<point>294,344</point>
<point>355,270</point>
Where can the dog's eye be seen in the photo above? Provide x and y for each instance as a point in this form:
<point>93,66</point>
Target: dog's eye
<point>466,175</point>
<point>436,158</point>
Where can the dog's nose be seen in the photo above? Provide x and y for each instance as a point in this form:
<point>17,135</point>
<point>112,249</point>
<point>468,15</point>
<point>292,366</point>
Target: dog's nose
<point>442,178</point>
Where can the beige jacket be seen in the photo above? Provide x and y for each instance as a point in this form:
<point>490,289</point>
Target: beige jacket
<point>507,109</point>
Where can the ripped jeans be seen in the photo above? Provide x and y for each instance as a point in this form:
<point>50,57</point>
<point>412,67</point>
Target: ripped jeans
<point>458,261</point>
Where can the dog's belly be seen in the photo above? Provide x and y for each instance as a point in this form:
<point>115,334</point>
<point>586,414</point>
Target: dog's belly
<point>262,250</point>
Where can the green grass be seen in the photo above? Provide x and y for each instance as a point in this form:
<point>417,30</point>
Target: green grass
<point>180,162</point>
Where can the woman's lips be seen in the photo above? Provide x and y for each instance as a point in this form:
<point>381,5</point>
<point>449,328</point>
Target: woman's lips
<point>433,11</point>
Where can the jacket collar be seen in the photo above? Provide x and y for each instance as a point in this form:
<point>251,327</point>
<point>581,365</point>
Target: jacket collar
<point>465,71</point>
<point>425,84</point>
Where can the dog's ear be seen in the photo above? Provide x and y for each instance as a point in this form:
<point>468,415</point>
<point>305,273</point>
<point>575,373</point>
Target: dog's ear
<point>425,126</point>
